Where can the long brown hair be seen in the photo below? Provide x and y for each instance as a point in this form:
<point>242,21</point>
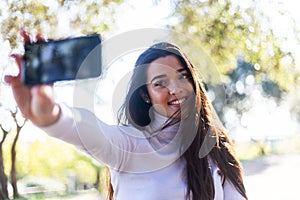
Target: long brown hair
<point>134,111</point>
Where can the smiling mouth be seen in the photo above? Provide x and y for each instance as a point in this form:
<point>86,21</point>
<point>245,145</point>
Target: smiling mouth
<point>176,102</point>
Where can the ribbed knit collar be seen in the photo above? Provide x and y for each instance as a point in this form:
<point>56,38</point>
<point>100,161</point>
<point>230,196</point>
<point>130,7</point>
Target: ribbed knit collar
<point>156,132</point>
<point>158,122</point>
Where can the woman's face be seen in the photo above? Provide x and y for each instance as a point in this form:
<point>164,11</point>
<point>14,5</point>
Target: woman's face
<point>168,84</point>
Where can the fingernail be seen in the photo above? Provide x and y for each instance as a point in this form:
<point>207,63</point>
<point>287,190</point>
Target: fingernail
<point>5,80</point>
<point>23,31</point>
<point>13,55</point>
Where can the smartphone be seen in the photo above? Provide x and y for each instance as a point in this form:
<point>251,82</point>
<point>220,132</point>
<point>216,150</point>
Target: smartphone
<point>61,60</point>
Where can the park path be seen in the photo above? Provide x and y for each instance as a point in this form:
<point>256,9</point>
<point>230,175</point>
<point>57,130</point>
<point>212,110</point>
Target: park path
<point>273,177</point>
<point>86,196</point>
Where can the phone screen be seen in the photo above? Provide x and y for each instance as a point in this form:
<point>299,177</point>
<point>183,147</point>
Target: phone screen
<point>66,59</point>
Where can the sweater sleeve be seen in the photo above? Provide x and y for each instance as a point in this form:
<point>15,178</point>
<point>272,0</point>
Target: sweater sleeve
<point>85,131</point>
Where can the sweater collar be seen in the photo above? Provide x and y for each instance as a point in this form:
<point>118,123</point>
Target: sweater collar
<point>160,134</point>
<point>159,123</point>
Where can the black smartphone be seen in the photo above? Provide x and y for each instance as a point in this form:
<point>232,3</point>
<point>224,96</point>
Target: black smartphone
<point>63,59</point>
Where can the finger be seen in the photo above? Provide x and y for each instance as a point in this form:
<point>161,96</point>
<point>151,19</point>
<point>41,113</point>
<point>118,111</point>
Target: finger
<point>9,79</point>
<point>12,80</point>
<point>43,97</point>
<point>26,37</point>
<point>39,37</point>
<point>43,90</point>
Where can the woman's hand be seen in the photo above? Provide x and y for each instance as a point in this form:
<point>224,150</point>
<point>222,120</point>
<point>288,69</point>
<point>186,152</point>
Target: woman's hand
<point>36,103</point>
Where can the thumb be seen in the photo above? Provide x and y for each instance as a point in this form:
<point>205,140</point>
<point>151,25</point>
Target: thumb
<point>42,99</point>
<point>42,92</point>
<point>44,109</point>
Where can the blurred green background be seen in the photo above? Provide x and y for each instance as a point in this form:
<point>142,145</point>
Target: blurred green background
<point>249,61</point>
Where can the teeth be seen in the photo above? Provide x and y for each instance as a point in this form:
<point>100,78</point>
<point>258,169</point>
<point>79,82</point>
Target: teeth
<point>177,101</point>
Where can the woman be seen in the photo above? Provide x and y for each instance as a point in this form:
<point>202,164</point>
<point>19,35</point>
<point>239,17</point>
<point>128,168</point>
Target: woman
<point>169,145</point>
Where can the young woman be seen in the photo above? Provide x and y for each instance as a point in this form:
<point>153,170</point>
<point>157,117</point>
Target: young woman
<point>168,144</point>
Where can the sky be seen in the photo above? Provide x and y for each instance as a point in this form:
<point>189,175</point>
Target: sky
<point>143,14</point>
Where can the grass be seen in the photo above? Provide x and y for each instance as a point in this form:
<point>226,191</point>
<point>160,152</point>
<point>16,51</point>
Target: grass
<point>41,196</point>
<point>254,149</point>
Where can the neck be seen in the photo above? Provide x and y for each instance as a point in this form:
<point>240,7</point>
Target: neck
<point>160,123</point>
<point>162,131</point>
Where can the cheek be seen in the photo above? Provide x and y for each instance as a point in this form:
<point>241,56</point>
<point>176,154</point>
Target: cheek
<point>158,96</point>
<point>189,87</point>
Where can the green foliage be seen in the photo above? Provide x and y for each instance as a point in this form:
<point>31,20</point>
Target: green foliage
<point>53,158</point>
<point>257,148</point>
<point>227,31</point>
<point>57,18</point>
<point>54,19</point>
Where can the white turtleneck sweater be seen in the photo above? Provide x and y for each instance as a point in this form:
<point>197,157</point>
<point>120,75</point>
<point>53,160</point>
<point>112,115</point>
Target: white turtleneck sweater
<point>144,164</point>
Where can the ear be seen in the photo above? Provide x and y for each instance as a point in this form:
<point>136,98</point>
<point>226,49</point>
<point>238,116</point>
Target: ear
<point>145,96</point>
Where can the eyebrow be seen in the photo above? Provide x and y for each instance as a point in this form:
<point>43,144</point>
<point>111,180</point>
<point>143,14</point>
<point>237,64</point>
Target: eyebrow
<point>164,75</point>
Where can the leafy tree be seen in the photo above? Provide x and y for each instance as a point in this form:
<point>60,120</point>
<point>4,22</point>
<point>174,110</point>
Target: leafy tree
<point>9,144</point>
<point>238,41</point>
<point>228,31</point>
<point>58,18</point>
<point>53,158</point>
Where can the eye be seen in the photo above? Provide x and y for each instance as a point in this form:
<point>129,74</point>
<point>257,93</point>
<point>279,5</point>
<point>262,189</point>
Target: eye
<point>184,76</point>
<point>160,83</point>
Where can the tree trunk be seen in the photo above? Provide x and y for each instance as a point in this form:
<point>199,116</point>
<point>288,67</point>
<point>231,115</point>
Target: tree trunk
<point>3,177</point>
<point>13,172</point>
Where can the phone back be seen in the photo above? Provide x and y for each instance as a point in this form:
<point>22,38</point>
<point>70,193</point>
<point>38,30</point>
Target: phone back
<point>66,59</point>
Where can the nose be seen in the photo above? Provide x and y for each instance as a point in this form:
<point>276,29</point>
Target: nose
<point>175,88</point>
